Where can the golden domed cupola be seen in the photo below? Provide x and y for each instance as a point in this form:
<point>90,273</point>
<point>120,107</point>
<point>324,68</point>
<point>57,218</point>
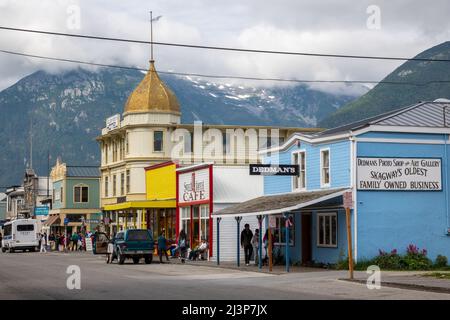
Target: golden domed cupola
<point>152,96</point>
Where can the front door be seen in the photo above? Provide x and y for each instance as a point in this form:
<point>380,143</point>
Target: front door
<point>306,238</point>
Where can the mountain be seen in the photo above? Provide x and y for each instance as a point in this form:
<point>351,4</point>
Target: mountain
<point>386,97</point>
<point>68,110</point>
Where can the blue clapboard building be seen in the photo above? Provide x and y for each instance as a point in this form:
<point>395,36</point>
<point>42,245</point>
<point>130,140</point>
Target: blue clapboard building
<point>393,171</point>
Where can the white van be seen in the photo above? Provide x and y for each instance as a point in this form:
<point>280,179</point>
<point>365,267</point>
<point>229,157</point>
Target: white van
<point>20,234</point>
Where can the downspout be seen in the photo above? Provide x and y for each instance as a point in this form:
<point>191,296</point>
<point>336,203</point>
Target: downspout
<point>353,155</point>
<point>446,137</point>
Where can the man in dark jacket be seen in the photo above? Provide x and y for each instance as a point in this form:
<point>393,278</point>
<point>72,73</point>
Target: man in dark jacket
<point>246,243</point>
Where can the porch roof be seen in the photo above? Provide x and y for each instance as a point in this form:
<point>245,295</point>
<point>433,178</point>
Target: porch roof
<point>274,204</point>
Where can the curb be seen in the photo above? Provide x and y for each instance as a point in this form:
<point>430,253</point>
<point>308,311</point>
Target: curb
<point>407,286</point>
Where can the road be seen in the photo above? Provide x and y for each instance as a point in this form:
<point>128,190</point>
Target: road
<point>44,276</point>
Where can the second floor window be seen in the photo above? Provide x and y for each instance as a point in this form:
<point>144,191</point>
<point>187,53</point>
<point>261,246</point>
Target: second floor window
<point>325,167</point>
<point>128,181</point>
<point>106,186</point>
<point>299,158</point>
<point>122,184</point>
<point>81,194</point>
<point>157,141</point>
<point>114,185</point>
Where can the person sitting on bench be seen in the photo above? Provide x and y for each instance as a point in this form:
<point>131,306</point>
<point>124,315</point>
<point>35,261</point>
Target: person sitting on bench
<point>193,255</point>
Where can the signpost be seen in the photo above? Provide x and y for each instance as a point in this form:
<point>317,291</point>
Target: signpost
<point>348,204</point>
<point>66,221</point>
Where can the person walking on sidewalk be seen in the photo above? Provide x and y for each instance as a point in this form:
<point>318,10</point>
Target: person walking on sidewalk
<point>246,243</point>
<point>182,245</point>
<point>255,244</point>
<point>43,248</point>
<point>162,246</point>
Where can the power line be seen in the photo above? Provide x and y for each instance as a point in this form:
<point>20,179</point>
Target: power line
<point>223,76</point>
<point>192,46</point>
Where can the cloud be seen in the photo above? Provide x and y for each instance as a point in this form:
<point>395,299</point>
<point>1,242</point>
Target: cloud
<point>328,26</point>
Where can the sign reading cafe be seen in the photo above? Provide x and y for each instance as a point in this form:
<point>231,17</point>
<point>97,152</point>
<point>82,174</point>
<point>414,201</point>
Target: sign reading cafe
<point>407,174</point>
<point>194,186</point>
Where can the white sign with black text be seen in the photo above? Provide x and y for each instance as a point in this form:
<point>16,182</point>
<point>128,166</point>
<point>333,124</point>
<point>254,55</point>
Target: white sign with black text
<point>404,174</point>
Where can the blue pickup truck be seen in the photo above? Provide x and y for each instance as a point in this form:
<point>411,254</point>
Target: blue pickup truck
<point>134,244</point>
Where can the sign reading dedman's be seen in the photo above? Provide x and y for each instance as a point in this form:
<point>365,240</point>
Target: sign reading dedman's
<point>274,170</point>
<point>406,174</point>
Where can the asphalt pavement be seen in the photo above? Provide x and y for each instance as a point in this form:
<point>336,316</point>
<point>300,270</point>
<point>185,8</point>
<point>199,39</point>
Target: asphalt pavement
<point>45,276</point>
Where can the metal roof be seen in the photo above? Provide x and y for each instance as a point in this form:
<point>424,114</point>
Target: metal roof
<point>422,114</point>
<point>273,204</point>
<point>83,171</point>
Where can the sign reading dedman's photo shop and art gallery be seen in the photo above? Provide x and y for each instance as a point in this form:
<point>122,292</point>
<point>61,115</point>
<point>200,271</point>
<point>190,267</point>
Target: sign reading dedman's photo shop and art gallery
<point>399,174</point>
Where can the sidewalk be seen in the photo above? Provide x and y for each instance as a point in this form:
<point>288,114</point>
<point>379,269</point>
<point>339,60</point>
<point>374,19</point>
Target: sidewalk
<point>413,280</point>
<point>276,270</point>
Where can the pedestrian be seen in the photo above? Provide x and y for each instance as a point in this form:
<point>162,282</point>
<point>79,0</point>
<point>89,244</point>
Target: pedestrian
<point>42,244</point>
<point>57,241</point>
<point>110,251</point>
<point>182,245</point>
<point>51,240</point>
<point>255,244</point>
<point>80,242</point>
<point>162,246</point>
<point>62,242</point>
<point>246,243</point>
<point>74,241</point>
<point>266,245</point>
<point>39,239</point>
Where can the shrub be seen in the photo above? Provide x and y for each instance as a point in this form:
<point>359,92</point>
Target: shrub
<point>414,259</point>
<point>441,261</point>
<point>388,260</point>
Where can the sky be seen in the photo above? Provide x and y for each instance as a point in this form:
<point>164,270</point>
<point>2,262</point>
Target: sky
<point>357,27</point>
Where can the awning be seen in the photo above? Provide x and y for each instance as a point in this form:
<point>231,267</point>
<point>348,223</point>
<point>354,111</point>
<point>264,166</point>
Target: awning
<point>141,205</point>
<point>274,204</point>
<point>52,220</point>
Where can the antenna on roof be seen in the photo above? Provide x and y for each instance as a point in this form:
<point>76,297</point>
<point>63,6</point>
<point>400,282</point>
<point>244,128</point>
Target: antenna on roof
<point>151,33</point>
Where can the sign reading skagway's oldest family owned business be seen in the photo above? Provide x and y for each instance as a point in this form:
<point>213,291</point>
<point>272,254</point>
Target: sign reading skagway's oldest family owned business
<point>274,170</point>
<point>408,174</point>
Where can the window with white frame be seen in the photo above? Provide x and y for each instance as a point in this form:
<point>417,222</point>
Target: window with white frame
<point>185,213</point>
<point>299,182</point>
<point>327,229</point>
<point>114,185</point>
<point>106,186</point>
<point>80,194</point>
<point>325,167</point>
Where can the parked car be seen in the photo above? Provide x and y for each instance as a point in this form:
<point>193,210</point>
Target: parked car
<point>134,244</point>
<point>100,243</point>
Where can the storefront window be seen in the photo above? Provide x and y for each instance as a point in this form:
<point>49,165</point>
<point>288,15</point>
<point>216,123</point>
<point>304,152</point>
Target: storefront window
<point>279,231</point>
<point>199,224</point>
<point>204,221</point>
<point>186,220</point>
<point>327,229</point>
